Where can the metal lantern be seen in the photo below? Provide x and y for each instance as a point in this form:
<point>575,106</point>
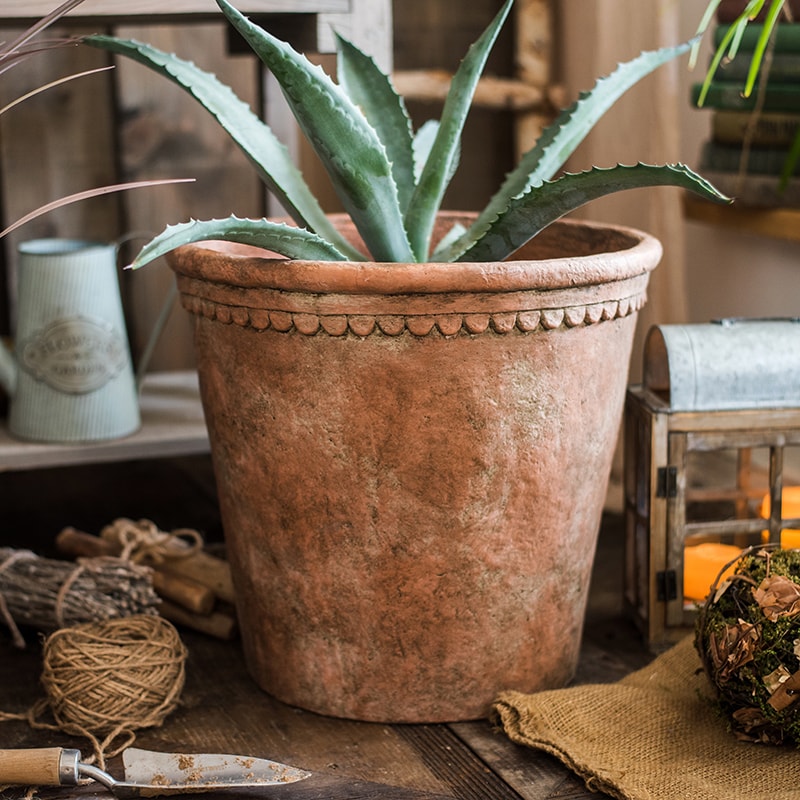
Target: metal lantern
<point>709,442</point>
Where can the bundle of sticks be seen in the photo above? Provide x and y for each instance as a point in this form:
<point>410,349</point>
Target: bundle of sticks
<point>47,594</point>
<point>195,587</point>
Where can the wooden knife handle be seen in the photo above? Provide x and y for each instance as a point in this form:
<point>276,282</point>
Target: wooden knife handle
<point>42,766</point>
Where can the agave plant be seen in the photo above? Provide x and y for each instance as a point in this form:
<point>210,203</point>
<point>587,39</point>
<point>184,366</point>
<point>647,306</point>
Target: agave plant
<point>391,179</point>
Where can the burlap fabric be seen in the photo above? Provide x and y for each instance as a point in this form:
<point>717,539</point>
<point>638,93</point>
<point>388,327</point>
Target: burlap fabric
<point>651,736</point>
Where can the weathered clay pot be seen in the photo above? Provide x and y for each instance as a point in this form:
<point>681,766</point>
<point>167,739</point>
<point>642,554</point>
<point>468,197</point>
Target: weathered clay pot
<point>412,462</point>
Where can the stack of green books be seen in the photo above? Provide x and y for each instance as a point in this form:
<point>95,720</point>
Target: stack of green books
<point>751,137</point>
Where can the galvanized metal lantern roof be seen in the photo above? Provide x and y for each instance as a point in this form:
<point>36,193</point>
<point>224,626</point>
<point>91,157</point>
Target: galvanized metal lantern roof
<point>728,364</point>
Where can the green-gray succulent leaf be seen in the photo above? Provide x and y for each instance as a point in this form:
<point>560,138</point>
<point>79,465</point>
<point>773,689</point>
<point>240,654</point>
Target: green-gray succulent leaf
<point>452,236</point>
<point>372,91</point>
<point>439,166</point>
<point>288,241</point>
<point>422,144</point>
<point>347,145</point>
<point>539,206</point>
<point>256,140</point>
<point>560,139</point>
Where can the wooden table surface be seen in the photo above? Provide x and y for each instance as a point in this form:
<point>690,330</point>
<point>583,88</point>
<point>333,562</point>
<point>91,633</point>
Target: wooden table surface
<point>222,710</point>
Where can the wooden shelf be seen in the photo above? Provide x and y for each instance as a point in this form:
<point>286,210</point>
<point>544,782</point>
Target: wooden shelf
<point>172,425</point>
<point>778,223</point>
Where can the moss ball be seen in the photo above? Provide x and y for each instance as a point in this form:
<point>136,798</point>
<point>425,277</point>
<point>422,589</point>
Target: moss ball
<point>748,637</point>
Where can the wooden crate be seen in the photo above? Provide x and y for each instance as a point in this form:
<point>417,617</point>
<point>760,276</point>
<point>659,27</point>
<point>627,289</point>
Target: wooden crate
<point>667,503</point>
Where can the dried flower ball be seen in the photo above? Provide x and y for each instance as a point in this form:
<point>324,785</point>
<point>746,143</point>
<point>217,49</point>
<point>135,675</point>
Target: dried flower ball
<point>748,637</point>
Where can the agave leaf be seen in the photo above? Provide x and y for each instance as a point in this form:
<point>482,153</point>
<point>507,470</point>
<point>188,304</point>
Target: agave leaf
<point>372,91</point>
<point>346,143</point>
<point>453,235</point>
<point>541,205</point>
<point>422,144</point>
<point>560,139</point>
<point>440,163</point>
<point>275,236</point>
<point>269,156</point>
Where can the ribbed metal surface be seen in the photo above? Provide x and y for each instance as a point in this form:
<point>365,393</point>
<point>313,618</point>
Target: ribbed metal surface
<point>726,365</point>
<point>75,379</point>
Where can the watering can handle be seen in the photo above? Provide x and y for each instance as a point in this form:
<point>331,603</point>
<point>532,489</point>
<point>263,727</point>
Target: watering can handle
<point>8,369</point>
<point>161,320</point>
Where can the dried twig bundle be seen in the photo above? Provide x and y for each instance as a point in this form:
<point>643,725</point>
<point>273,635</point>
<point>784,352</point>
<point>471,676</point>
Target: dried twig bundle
<point>48,594</point>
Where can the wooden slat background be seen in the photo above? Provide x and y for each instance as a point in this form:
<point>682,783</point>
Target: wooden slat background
<point>129,124</point>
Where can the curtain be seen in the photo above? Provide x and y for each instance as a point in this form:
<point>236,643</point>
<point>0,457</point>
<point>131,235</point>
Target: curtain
<point>644,125</point>
<point>593,36</point>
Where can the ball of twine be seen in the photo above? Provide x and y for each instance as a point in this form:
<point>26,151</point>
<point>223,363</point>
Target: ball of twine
<point>109,678</point>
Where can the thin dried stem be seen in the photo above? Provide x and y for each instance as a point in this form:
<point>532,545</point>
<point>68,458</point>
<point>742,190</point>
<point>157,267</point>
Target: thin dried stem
<point>86,195</point>
<point>50,85</point>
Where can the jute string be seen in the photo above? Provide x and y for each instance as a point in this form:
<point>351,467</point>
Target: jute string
<point>104,680</point>
<point>143,543</point>
<point>5,612</point>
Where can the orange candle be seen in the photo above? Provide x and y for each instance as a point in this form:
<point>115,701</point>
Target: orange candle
<point>790,509</point>
<point>702,564</point>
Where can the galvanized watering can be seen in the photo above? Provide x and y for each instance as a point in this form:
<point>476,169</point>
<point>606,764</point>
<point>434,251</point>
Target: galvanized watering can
<point>70,378</point>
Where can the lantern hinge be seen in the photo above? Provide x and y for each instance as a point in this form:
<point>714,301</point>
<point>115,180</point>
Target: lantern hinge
<point>666,586</point>
<point>667,482</point>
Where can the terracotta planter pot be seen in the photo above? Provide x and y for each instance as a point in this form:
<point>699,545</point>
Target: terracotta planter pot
<point>412,462</point>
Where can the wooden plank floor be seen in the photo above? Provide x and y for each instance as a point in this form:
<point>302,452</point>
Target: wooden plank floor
<point>223,711</point>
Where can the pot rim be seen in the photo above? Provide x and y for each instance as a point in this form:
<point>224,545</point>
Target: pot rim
<point>632,253</point>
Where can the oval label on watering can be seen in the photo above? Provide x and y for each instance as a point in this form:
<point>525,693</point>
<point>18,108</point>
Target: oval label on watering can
<point>76,355</point>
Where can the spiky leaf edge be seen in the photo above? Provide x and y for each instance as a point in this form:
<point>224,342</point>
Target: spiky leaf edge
<point>438,168</point>
<point>372,91</point>
<point>277,237</point>
<point>253,137</point>
<point>347,145</point>
<point>541,205</point>
<point>561,138</point>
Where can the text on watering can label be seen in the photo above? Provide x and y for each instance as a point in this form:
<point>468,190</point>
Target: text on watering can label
<point>76,355</point>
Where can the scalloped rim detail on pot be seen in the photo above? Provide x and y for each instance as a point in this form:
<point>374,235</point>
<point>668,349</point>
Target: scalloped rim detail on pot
<point>362,325</point>
<point>572,274</point>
